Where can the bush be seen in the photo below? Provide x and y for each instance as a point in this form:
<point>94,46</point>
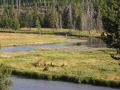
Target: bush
<point>5,73</point>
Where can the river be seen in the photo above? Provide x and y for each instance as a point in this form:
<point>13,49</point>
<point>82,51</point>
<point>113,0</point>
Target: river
<point>32,84</point>
<point>89,42</point>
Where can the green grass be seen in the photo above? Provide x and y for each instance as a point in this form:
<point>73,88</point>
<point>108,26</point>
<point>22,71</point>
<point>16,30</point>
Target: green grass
<point>94,66</point>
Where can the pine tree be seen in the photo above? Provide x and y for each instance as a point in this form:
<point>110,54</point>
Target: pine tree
<point>35,14</point>
<point>30,18</point>
<point>15,24</point>
<point>76,14</point>
<point>53,18</point>
<point>23,19</point>
<point>67,23</point>
<point>78,23</point>
<point>4,20</point>
<point>46,20</point>
<point>111,22</point>
<point>4,17</point>
<point>38,26</point>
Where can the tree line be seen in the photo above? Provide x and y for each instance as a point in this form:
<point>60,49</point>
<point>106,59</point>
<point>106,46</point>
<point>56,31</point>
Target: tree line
<point>58,14</point>
<point>72,14</point>
<point>111,22</point>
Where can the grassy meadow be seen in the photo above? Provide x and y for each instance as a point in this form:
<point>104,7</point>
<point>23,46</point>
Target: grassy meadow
<point>51,31</point>
<point>82,66</point>
<point>11,39</point>
<point>74,64</point>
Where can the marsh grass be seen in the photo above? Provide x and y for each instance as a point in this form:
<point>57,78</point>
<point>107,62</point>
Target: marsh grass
<point>64,32</point>
<point>73,64</point>
<point>93,66</point>
<point>14,39</point>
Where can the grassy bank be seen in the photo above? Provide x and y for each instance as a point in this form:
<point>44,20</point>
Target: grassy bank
<point>76,64</point>
<point>13,39</point>
<point>73,64</point>
<point>54,32</point>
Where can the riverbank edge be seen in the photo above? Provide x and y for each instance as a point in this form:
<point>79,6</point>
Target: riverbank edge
<point>35,43</point>
<point>66,78</point>
<point>49,31</point>
<point>40,43</point>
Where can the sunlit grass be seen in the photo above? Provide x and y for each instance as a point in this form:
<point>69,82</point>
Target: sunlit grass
<point>10,39</point>
<point>24,36</point>
<point>93,63</point>
<point>76,64</point>
<point>94,33</point>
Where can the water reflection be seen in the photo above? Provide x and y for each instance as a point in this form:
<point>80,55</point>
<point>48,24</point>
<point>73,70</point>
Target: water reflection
<point>93,42</point>
<point>31,84</point>
<point>89,42</point>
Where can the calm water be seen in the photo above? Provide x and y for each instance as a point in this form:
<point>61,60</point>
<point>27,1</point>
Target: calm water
<point>31,84</point>
<point>90,42</point>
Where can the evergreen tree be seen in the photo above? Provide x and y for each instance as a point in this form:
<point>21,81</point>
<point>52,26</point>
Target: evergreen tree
<point>67,23</point>
<point>11,14</point>
<point>4,20</point>
<point>15,24</point>
<point>11,10</point>
<point>76,14</point>
<point>78,23</point>
<point>34,14</point>
<point>59,13</point>
<point>111,22</point>
<point>46,20</point>
<point>53,19</point>
<point>4,17</point>
<point>30,18</point>
<point>38,26</point>
<point>23,19</point>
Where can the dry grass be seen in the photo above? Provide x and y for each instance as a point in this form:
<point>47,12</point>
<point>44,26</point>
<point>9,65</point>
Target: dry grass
<point>11,39</point>
<point>92,63</point>
<point>74,63</point>
<point>56,31</point>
